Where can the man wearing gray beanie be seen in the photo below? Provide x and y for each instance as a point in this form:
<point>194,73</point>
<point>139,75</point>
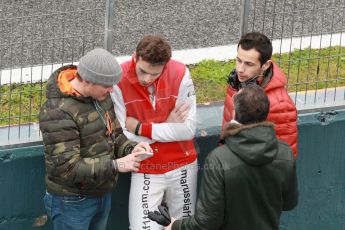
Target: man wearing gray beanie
<point>85,147</point>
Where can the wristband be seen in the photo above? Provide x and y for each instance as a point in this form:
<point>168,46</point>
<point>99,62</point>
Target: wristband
<point>136,132</point>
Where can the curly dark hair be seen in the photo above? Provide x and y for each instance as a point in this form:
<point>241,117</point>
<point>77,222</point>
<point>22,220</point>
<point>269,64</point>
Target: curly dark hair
<point>154,49</point>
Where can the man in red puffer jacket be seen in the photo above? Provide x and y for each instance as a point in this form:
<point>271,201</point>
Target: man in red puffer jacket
<point>254,66</point>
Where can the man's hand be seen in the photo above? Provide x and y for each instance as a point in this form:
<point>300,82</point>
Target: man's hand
<point>179,114</point>
<point>131,124</point>
<point>129,163</point>
<point>142,147</point>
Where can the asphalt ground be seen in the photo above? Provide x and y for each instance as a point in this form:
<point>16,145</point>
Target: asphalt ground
<point>45,32</point>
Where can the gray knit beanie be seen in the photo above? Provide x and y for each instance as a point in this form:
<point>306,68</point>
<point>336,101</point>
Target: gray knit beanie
<point>99,67</point>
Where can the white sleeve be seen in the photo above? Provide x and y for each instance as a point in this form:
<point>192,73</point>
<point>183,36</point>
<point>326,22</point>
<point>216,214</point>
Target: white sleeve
<point>168,132</point>
<point>120,110</point>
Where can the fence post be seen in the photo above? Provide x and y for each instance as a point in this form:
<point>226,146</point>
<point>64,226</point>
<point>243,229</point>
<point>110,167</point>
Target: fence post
<point>245,4</point>
<point>109,25</point>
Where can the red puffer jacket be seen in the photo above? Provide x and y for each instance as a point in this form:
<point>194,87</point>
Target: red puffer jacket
<point>282,113</point>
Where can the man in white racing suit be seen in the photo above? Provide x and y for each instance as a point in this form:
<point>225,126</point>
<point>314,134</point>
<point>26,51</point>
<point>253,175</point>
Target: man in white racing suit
<point>155,102</point>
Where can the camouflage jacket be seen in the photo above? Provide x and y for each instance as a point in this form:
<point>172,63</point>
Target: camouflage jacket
<point>78,152</point>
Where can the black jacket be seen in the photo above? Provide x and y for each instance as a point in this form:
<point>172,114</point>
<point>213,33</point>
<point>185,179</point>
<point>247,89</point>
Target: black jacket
<point>247,182</point>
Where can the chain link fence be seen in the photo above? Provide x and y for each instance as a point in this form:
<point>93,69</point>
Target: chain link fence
<point>36,37</point>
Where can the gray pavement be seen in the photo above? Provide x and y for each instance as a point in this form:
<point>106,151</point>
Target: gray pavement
<point>314,100</point>
<point>46,32</point>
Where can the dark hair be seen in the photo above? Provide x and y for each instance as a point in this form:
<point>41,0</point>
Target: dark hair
<point>259,42</point>
<point>251,105</point>
<point>154,49</point>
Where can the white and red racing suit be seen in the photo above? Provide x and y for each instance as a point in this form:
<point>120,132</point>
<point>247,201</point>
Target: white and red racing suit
<point>170,176</point>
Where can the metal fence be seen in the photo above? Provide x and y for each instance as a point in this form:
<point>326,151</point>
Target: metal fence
<point>315,29</point>
<point>38,37</point>
<point>35,39</point>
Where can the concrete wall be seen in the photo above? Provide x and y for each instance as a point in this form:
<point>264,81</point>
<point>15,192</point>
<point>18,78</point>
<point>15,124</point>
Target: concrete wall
<point>320,167</point>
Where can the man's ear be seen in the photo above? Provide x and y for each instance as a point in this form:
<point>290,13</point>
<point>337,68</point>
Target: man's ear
<point>266,65</point>
<point>135,57</point>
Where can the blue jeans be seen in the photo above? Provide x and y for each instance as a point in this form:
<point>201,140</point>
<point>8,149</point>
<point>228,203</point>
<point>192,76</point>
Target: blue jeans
<point>78,212</point>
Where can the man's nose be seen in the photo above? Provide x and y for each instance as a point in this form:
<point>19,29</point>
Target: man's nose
<point>240,68</point>
<point>147,78</point>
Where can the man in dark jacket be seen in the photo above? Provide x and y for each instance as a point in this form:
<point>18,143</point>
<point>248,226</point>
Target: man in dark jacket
<point>84,144</point>
<point>251,179</point>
